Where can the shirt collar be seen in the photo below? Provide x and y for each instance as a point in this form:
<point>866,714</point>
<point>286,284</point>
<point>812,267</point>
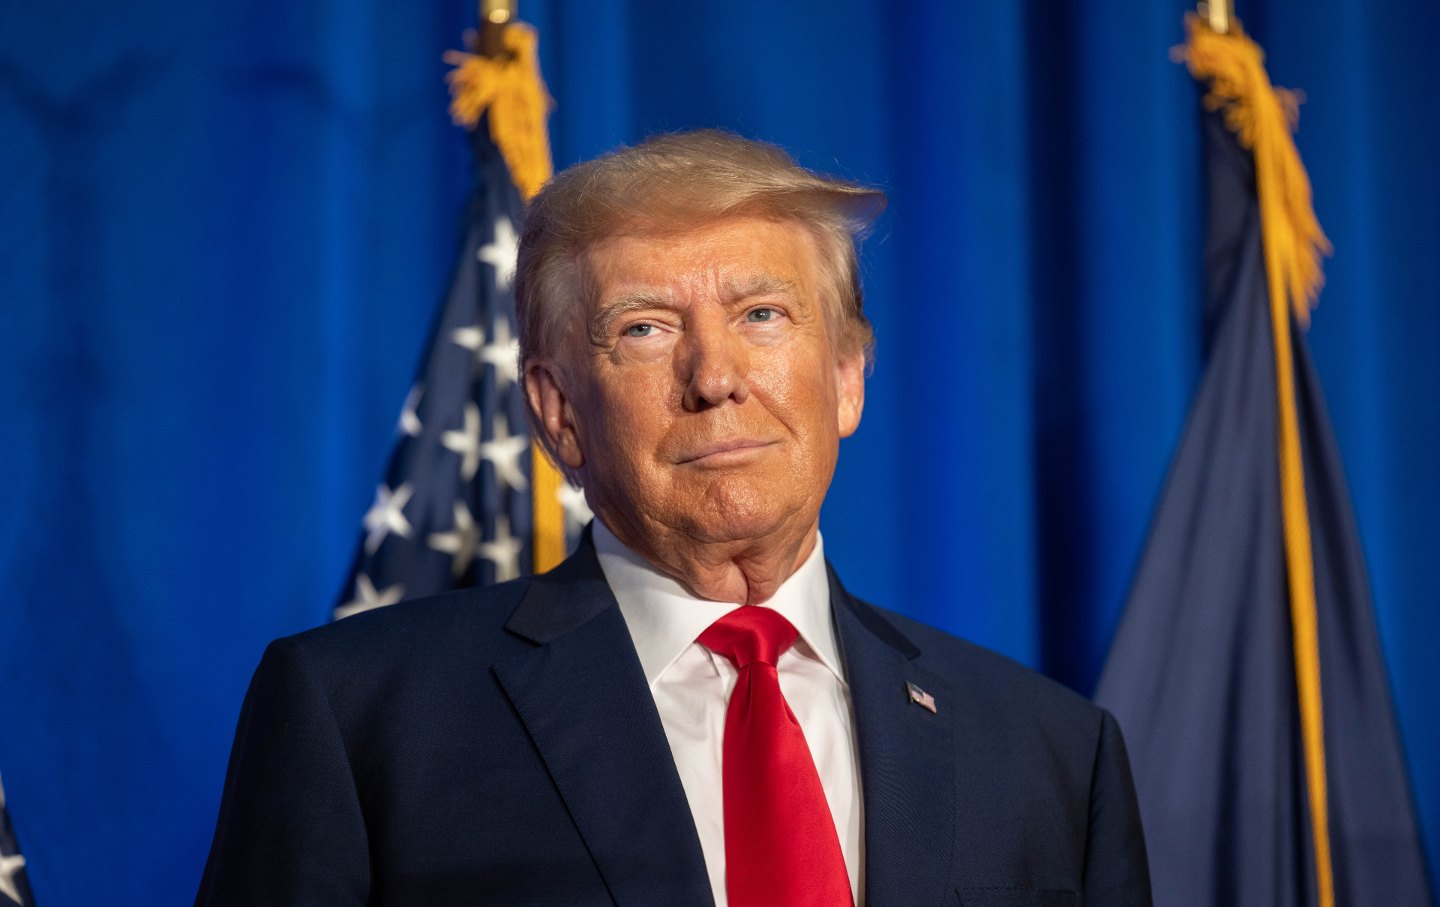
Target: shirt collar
<point>664,618</point>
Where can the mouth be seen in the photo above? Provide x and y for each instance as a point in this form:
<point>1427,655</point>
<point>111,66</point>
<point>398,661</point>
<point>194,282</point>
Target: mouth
<point>724,453</point>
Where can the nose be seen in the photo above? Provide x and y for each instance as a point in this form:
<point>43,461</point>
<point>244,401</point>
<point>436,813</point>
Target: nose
<point>715,366</point>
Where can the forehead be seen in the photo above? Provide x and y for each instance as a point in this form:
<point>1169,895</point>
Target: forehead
<point>727,251</point>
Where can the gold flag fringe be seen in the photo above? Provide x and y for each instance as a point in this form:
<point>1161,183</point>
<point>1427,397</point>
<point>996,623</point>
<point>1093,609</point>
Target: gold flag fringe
<point>1262,117</point>
<point>510,89</point>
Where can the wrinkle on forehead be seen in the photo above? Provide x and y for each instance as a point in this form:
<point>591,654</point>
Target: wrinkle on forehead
<point>758,285</point>
<point>674,291</point>
<point>730,290</point>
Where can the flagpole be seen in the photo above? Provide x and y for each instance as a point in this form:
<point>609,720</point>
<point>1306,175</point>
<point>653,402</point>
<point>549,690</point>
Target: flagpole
<point>1291,244</point>
<point>494,16</point>
<point>1218,14</point>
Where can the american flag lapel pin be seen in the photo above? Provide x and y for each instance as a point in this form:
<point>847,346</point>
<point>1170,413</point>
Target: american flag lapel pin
<point>921,698</point>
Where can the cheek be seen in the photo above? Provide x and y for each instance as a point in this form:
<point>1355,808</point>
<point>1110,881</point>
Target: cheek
<point>632,422</point>
<point>803,393</point>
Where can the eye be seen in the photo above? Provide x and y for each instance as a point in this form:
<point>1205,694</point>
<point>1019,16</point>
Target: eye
<point>762,314</point>
<point>639,330</point>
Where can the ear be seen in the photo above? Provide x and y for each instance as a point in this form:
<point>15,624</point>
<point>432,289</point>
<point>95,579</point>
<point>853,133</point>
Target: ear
<point>553,412</point>
<point>850,382</point>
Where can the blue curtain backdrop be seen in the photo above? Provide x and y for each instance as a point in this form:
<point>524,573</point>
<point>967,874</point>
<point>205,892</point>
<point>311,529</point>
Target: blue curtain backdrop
<point>224,228</point>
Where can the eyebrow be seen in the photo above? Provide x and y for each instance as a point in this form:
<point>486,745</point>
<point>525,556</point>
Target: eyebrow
<point>617,308</point>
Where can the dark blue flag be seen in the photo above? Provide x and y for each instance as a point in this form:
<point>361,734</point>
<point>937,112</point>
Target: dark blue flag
<point>454,509</point>
<point>14,887</point>
<point>1202,674</point>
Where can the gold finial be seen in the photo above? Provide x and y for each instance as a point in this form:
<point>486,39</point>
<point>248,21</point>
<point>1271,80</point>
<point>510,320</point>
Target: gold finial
<point>497,11</point>
<point>494,16</point>
<point>1218,14</point>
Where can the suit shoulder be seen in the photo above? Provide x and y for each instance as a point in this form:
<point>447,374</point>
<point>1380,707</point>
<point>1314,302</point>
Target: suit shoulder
<point>375,668</point>
<point>434,624</point>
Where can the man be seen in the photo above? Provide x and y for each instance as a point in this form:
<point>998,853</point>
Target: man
<point>693,349</point>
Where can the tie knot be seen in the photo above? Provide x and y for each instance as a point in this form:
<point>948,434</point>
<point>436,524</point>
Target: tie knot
<point>749,634</point>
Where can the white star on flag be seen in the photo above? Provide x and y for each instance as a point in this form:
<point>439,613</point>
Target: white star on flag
<point>502,353</point>
<point>503,452</point>
<point>504,552</point>
<point>409,419</point>
<point>460,542</point>
<point>387,515</point>
<point>466,442</point>
<point>10,866</point>
<point>500,253</point>
<point>470,337</point>
<point>366,598</point>
<point>572,502</point>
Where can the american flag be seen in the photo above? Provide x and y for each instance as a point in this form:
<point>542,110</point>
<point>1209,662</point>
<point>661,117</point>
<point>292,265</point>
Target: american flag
<point>454,509</point>
<point>14,888</point>
<point>920,697</point>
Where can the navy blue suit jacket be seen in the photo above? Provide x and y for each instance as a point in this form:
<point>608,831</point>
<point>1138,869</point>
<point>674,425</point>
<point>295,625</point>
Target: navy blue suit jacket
<point>501,746</point>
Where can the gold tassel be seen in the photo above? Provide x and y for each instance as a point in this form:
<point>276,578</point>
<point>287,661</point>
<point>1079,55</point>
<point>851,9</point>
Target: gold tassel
<point>1262,117</point>
<point>511,90</point>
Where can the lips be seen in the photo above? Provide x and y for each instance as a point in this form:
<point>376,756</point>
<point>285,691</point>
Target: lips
<point>723,452</point>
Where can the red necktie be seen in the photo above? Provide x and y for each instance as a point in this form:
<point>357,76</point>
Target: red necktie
<point>781,848</point>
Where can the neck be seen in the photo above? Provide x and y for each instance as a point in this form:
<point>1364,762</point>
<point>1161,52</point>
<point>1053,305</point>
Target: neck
<point>747,571</point>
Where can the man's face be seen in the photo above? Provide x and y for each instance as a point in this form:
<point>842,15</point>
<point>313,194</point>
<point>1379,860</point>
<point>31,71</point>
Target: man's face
<point>703,394</point>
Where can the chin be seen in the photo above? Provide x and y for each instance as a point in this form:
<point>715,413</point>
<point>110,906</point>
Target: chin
<point>733,514</point>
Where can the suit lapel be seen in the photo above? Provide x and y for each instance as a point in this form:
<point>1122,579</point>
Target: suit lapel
<point>907,759</point>
<point>583,698</point>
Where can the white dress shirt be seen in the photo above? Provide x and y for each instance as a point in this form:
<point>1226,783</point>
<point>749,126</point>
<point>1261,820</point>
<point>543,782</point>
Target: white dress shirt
<point>692,685</point>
